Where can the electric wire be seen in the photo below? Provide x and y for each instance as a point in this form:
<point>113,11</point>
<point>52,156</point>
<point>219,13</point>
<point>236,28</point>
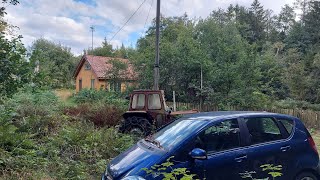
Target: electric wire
<point>145,23</point>
<point>128,20</point>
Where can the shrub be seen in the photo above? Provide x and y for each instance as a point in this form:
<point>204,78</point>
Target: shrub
<point>95,96</point>
<point>39,141</point>
<point>27,104</point>
<point>100,114</point>
<point>80,150</point>
<point>89,96</point>
<point>292,104</point>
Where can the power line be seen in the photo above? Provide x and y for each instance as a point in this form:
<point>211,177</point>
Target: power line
<point>145,23</point>
<point>128,20</point>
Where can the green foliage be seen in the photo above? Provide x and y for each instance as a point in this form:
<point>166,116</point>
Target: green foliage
<point>272,170</point>
<point>249,57</point>
<point>55,64</point>
<point>167,171</point>
<point>89,96</point>
<point>100,96</point>
<point>39,141</point>
<point>291,104</point>
<point>3,24</point>
<point>14,71</point>
<point>108,51</point>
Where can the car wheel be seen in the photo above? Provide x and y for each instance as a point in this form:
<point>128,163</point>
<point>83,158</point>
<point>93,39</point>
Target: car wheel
<point>306,176</point>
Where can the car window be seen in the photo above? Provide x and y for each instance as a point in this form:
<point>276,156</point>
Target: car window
<point>263,130</point>
<point>177,132</point>
<point>138,101</point>
<point>288,125</point>
<point>221,136</point>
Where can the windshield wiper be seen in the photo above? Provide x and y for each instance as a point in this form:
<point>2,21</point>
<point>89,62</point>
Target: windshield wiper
<point>153,141</point>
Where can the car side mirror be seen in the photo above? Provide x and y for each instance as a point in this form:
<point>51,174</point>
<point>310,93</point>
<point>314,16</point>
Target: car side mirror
<point>198,153</point>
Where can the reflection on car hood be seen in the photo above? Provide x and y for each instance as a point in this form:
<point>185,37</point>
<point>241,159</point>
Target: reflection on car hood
<point>134,159</point>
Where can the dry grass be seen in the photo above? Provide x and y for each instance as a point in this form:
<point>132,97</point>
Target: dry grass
<point>316,137</point>
<point>64,94</point>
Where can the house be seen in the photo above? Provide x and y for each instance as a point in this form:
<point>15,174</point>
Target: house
<point>97,72</point>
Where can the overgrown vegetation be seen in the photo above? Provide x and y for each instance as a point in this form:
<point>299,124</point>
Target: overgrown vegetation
<point>249,58</point>
<point>41,137</point>
<point>167,171</point>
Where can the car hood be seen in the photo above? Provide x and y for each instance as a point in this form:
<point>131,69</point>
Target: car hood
<point>141,155</point>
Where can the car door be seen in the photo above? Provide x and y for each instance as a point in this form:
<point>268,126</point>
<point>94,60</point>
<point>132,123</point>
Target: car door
<point>268,152</point>
<point>222,143</point>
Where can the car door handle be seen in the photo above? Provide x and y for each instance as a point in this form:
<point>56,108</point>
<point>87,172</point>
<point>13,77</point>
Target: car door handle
<point>285,148</point>
<point>241,158</point>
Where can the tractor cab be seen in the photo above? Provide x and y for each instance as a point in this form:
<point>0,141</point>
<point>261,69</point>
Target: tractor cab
<point>147,111</point>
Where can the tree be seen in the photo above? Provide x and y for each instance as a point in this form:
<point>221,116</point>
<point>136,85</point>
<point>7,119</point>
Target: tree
<point>233,73</point>
<point>303,6</point>
<point>105,50</point>
<point>286,19</point>
<point>180,58</point>
<point>271,82</point>
<point>3,24</point>
<point>312,24</point>
<point>116,73</point>
<point>257,22</point>
<point>122,52</point>
<point>56,63</point>
<point>15,70</point>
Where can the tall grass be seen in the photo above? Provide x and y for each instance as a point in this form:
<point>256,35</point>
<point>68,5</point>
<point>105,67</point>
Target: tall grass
<point>42,138</point>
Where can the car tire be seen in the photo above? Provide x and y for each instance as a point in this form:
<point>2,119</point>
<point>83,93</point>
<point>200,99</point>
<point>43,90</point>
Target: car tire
<point>306,176</point>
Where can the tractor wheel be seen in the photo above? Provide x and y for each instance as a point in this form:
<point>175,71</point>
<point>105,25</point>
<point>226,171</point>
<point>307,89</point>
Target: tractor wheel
<point>138,126</point>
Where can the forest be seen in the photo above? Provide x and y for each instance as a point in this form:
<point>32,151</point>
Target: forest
<point>250,57</point>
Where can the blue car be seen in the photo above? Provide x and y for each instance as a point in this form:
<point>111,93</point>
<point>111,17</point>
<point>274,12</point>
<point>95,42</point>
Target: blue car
<point>223,146</point>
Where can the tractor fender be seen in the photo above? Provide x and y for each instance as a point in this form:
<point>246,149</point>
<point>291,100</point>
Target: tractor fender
<point>144,114</point>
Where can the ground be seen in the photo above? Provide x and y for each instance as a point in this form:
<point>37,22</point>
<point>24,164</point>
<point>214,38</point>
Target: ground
<point>316,137</point>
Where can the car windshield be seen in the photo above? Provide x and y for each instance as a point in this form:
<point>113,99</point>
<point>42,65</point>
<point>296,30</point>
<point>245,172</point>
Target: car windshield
<point>176,132</point>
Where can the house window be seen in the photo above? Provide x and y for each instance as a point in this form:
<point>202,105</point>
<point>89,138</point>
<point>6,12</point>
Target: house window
<point>115,86</point>
<point>87,66</point>
<point>92,83</point>
<point>80,84</point>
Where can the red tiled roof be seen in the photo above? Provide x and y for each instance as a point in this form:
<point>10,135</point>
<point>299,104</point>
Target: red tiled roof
<point>100,65</point>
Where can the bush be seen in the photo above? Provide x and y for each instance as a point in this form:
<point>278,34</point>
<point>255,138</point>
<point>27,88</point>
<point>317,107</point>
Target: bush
<point>27,104</point>
<point>80,150</point>
<point>39,141</point>
<point>89,96</point>
<point>95,96</point>
<point>294,104</point>
<point>100,114</point>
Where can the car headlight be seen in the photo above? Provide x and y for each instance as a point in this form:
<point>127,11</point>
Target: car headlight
<point>133,178</point>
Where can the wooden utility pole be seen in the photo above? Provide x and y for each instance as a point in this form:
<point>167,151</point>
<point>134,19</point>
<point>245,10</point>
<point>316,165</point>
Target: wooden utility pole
<point>156,64</point>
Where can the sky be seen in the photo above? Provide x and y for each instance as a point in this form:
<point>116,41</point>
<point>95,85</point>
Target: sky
<point>68,21</point>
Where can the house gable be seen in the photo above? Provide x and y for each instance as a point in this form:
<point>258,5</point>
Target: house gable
<point>85,76</point>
